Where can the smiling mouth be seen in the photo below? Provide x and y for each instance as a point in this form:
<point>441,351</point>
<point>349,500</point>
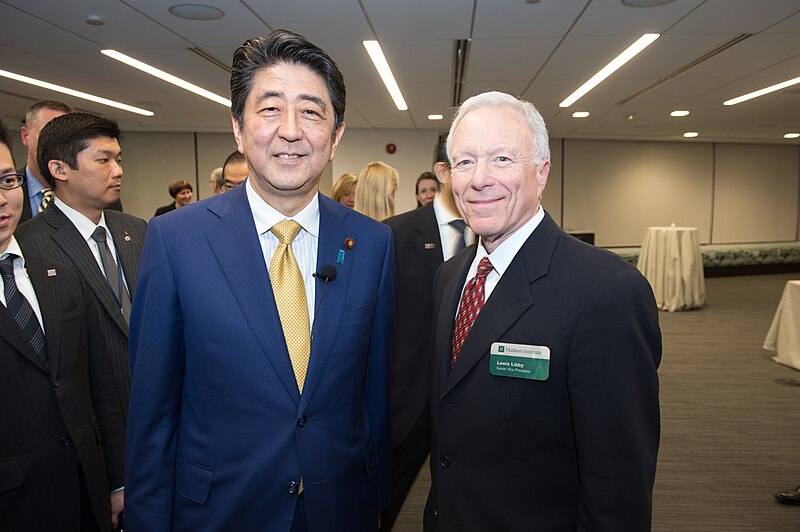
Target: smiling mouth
<point>288,156</point>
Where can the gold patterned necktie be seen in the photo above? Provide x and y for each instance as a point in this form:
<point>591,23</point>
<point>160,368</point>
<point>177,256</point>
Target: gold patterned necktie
<point>290,298</point>
<point>47,197</point>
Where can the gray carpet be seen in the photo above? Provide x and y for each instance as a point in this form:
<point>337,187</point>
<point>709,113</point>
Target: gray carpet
<point>730,433</point>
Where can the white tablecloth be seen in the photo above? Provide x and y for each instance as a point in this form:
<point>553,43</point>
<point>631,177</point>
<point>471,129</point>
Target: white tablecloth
<point>784,333</point>
<point>670,259</point>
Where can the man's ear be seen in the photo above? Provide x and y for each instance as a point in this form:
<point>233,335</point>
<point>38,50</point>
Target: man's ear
<point>237,133</point>
<point>336,138</point>
<point>56,169</point>
<point>23,132</point>
<point>442,171</point>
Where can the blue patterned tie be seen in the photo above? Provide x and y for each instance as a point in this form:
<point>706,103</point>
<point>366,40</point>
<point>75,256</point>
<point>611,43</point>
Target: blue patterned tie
<point>21,310</point>
<point>460,226</point>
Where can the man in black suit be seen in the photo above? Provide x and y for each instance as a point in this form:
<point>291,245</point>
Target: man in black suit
<point>57,393</point>
<point>544,391</point>
<point>35,185</point>
<point>80,154</point>
<point>423,238</point>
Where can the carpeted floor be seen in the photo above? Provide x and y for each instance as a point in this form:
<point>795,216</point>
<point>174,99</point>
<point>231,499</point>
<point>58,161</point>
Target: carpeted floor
<point>730,433</point>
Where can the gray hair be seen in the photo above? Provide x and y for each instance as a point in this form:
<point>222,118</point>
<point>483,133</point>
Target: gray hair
<point>541,142</point>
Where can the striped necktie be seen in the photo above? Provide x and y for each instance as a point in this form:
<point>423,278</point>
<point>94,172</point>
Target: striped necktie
<point>47,197</point>
<point>469,307</point>
<point>21,310</point>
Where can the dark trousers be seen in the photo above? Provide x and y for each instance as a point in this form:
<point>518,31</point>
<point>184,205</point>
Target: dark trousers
<point>407,459</point>
<point>88,519</point>
<point>299,520</point>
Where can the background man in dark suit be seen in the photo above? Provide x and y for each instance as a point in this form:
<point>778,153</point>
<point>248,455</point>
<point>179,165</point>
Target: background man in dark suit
<point>423,238</point>
<point>35,185</point>
<point>57,394</point>
<point>277,417</point>
<point>80,154</point>
<point>545,407</point>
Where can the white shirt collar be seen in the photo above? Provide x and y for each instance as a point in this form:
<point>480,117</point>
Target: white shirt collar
<point>83,224</point>
<point>13,247</point>
<point>265,216</point>
<point>443,214</point>
<point>502,256</point>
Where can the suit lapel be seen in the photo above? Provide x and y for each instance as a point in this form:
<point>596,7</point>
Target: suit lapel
<point>447,315</point>
<point>67,237</point>
<point>50,306</point>
<point>509,300</point>
<point>126,251</point>
<point>236,246</point>
<point>427,230</point>
<point>11,332</point>
<point>329,310</point>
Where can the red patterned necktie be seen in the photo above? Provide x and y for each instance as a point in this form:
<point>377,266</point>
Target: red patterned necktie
<point>469,307</point>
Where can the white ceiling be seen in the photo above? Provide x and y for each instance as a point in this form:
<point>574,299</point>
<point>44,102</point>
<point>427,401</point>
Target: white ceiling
<point>542,51</point>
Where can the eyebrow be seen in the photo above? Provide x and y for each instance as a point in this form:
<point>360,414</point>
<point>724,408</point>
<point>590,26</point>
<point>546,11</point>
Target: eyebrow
<point>278,94</point>
<point>110,153</point>
<point>9,170</point>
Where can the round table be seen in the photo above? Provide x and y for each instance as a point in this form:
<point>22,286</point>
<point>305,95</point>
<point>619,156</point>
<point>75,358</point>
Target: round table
<point>670,259</point>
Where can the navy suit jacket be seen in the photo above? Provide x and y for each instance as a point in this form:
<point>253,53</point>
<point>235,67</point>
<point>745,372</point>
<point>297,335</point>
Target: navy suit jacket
<point>576,451</point>
<point>218,434</point>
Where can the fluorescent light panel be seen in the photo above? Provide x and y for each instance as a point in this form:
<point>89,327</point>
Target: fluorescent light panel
<point>169,78</point>
<point>679,113</point>
<point>435,117</point>
<point>762,92</point>
<point>641,43</point>
<point>580,114</point>
<point>791,135</point>
<point>382,66</point>
<point>73,92</point>
<point>691,134</point>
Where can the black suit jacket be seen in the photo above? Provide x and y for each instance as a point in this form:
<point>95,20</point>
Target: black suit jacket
<point>576,451</point>
<point>165,209</point>
<point>26,205</point>
<point>51,418</point>
<point>418,254</point>
<point>51,235</point>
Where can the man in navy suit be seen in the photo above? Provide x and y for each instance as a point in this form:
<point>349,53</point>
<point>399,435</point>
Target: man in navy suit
<point>224,432</point>
<point>544,392</point>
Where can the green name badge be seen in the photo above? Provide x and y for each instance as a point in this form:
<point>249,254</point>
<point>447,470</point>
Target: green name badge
<point>520,361</point>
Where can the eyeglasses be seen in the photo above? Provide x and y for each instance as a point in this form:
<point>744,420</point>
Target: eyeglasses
<point>11,181</point>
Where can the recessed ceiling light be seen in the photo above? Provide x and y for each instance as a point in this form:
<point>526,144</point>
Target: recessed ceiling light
<point>73,92</point>
<point>580,114</point>
<point>691,134</point>
<point>94,20</point>
<point>679,113</point>
<point>196,12</point>
<point>762,92</point>
<point>791,135</point>
<point>169,78</point>
<point>435,117</point>
<point>629,53</point>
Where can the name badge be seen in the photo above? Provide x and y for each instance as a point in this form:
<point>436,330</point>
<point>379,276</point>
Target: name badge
<point>520,361</point>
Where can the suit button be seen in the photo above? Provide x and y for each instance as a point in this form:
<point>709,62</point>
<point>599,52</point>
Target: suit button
<point>444,461</point>
<point>55,384</point>
<point>65,441</point>
<point>302,421</point>
<point>436,513</point>
<point>292,487</point>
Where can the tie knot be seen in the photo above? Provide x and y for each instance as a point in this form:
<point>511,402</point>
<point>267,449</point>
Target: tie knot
<point>286,231</point>
<point>458,224</point>
<point>7,265</point>
<point>99,234</point>
<point>484,267</point>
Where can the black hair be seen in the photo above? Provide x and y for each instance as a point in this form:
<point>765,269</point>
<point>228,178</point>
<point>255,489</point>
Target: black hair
<point>282,46</point>
<point>235,157</point>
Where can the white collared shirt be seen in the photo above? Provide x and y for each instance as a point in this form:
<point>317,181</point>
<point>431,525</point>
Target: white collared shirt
<point>502,256</point>
<point>22,279</point>
<point>448,234</point>
<point>86,228</point>
<point>304,245</point>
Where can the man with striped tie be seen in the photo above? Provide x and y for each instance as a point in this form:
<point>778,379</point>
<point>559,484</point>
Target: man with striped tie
<point>80,156</point>
<point>57,395</point>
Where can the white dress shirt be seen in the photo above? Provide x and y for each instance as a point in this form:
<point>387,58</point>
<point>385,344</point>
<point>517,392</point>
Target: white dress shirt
<point>86,228</point>
<point>304,245</point>
<point>502,256</point>
<point>22,279</point>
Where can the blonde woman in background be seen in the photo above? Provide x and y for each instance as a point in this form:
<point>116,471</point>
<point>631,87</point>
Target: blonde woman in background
<point>344,190</point>
<point>377,186</point>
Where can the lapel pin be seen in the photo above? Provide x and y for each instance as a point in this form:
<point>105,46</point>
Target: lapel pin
<point>340,258</point>
<point>127,236</point>
<point>430,245</point>
<point>349,243</point>
<point>51,273</point>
